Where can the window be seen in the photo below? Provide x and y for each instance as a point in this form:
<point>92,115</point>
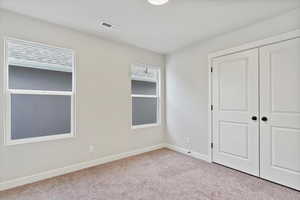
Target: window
<point>145,90</point>
<point>39,88</point>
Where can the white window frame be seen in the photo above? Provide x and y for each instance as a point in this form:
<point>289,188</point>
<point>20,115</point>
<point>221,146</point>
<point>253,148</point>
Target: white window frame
<point>157,96</point>
<point>7,99</point>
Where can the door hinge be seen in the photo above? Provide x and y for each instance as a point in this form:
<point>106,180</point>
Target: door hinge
<point>211,107</point>
<point>212,145</point>
<point>211,69</point>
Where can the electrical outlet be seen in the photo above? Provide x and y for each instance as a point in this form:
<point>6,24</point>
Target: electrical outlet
<point>91,148</point>
<point>188,144</point>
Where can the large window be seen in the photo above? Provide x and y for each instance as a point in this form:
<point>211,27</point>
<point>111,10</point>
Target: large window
<point>145,90</point>
<point>40,90</point>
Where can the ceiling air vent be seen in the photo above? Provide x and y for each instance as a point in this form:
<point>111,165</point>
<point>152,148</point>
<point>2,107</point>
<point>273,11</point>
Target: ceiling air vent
<point>106,25</point>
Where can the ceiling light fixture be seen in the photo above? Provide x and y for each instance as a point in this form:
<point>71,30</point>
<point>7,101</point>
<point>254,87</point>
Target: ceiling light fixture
<point>158,2</point>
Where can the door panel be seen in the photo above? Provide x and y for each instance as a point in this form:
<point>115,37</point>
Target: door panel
<point>234,133</point>
<point>280,103</point>
<point>231,73</point>
<point>235,100</point>
<point>285,148</point>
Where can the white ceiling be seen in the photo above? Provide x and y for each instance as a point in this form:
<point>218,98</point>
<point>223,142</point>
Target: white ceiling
<point>159,28</point>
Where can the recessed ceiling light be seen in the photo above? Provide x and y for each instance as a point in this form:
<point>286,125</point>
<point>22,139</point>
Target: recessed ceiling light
<point>158,2</point>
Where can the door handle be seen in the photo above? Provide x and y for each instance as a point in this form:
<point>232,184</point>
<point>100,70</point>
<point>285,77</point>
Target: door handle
<point>254,118</point>
<point>264,119</point>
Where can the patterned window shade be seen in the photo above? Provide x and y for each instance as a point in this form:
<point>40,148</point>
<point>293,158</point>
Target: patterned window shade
<point>34,55</point>
<point>144,73</point>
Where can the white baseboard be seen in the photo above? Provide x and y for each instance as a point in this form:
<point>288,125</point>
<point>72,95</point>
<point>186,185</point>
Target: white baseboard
<point>76,167</point>
<point>72,168</point>
<point>188,153</point>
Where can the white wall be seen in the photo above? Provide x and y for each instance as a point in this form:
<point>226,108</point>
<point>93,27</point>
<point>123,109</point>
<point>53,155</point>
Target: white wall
<point>103,100</point>
<point>187,80</point>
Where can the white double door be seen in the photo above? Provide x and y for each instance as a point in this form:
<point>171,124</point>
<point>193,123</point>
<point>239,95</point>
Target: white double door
<point>256,115</point>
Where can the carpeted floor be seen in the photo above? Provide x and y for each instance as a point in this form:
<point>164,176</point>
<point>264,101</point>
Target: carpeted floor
<point>158,175</point>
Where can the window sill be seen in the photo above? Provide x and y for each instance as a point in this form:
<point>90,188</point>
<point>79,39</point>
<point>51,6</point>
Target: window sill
<point>145,126</point>
<point>39,139</point>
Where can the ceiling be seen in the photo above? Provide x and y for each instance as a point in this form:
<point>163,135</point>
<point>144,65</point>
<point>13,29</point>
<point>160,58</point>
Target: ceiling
<point>161,29</point>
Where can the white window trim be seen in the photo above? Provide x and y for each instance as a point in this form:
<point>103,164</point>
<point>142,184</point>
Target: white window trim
<point>7,100</point>
<point>144,96</point>
<point>158,96</point>
<point>40,92</point>
<point>145,126</point>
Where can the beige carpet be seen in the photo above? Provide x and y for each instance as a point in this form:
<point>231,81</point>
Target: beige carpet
<point>158,175</point>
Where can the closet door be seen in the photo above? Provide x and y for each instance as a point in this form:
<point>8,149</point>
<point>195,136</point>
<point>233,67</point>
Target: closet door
<point>235,112</point>
<point>280,112</point>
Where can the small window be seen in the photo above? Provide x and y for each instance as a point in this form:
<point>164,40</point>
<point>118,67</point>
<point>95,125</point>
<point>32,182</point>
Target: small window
<point>39,92</point>
<point>145,96</point>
